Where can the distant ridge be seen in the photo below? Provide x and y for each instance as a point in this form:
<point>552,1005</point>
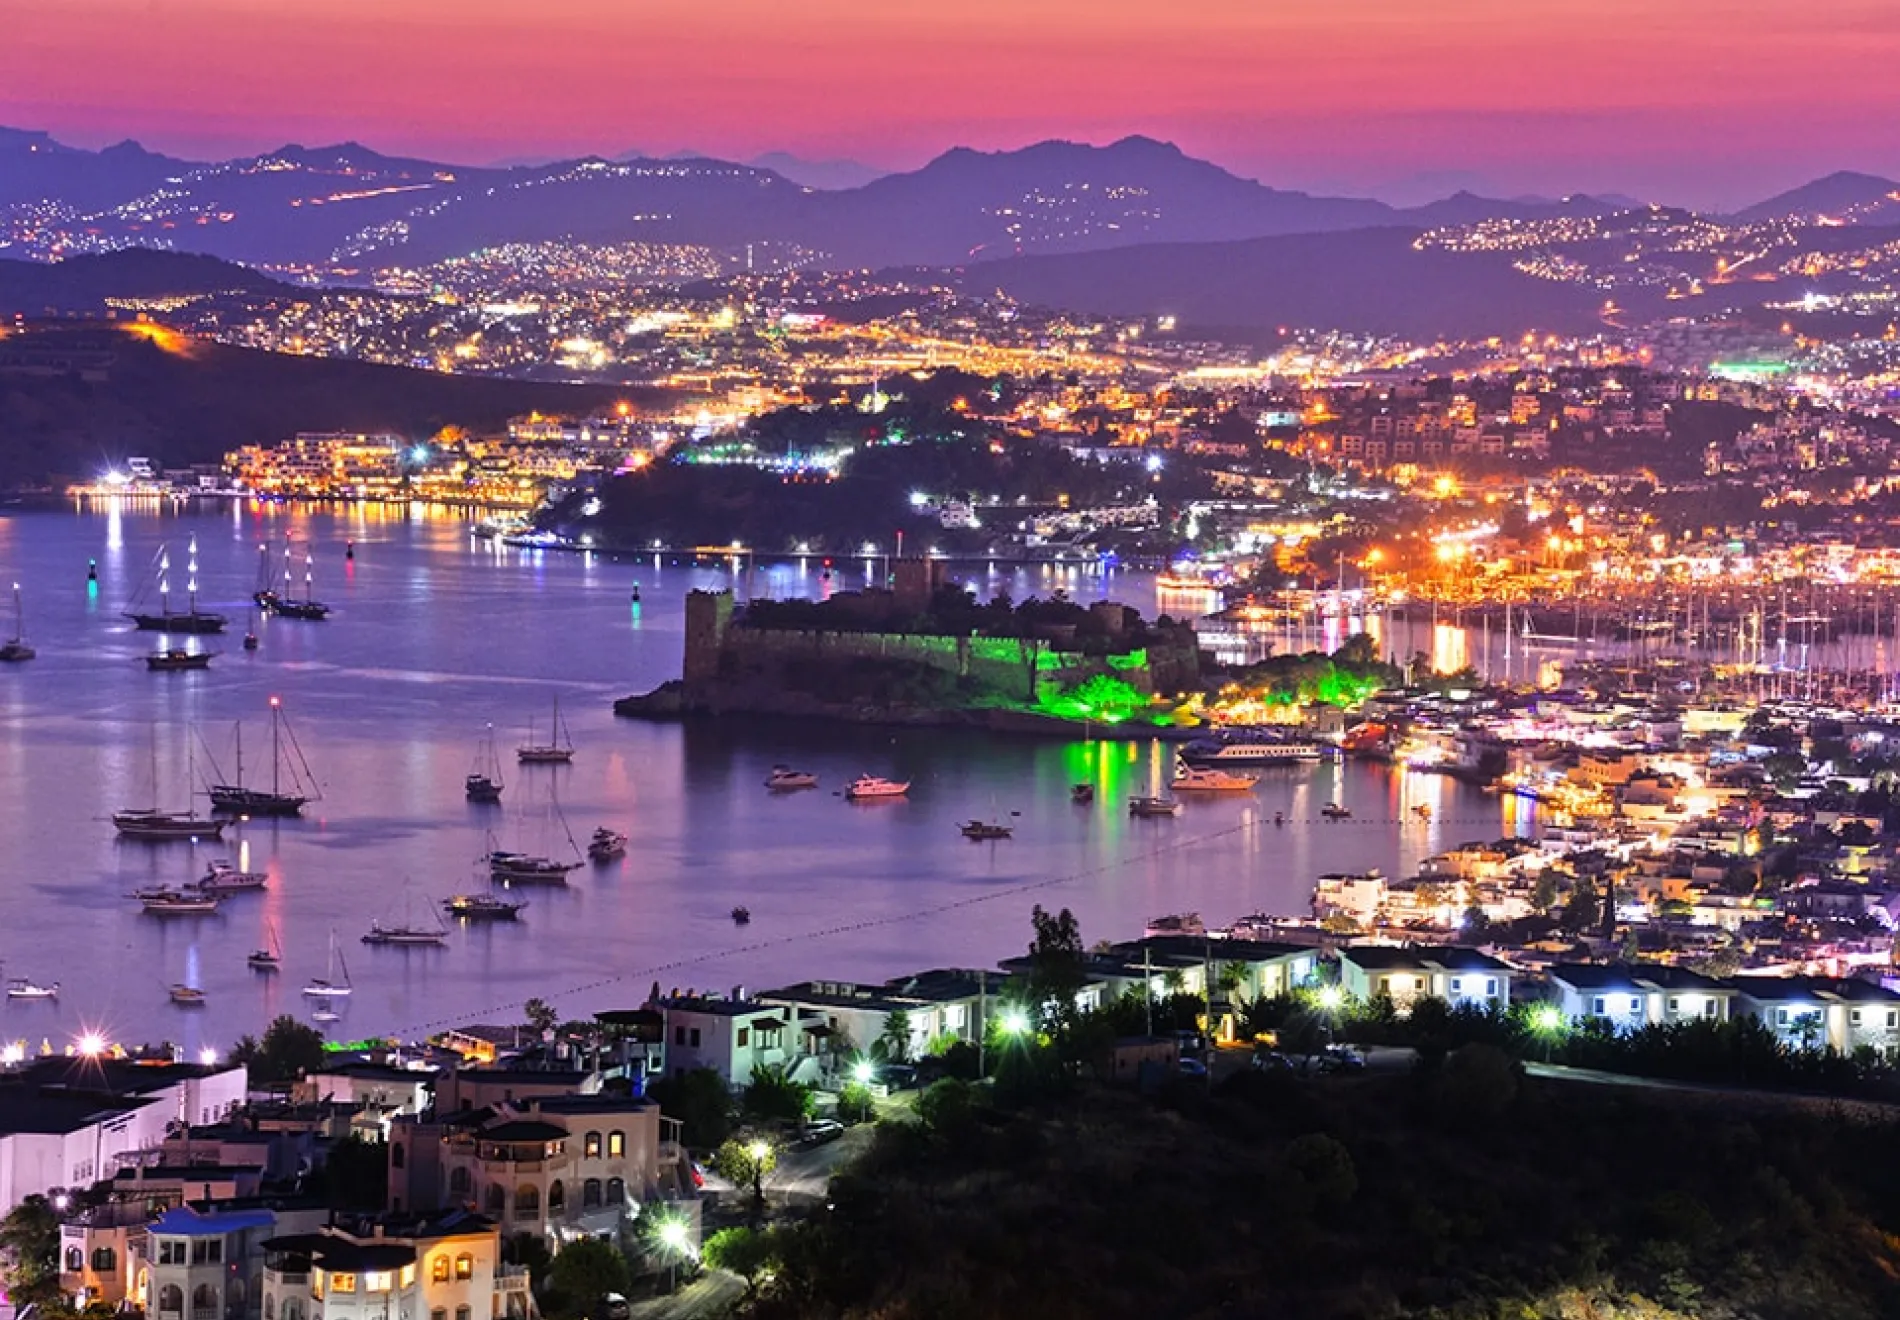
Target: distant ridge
<point>1829,196</point>
<point>81,285</point>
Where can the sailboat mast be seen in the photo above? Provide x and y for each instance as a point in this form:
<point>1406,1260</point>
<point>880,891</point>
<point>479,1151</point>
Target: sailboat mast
<point>191,579</point>
<point>309,560</point>
<point>164,581</point>
<point>275,757</point>
<point>239,726</point>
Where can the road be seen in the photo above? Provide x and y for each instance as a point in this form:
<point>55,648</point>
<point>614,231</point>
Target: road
<point>708,1297</point>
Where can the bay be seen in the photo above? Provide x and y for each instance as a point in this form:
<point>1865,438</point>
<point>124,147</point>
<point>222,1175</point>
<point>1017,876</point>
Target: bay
<point>435,635</point>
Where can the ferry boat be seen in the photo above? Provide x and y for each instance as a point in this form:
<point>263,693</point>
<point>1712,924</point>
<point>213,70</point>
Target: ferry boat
<point>282,603</point>
<point>983,829</point>
<point>188,995</point>
<point>520,868</point>
<point>1250,748</point>
<point>1210,779</point>
<point>165,619</point>
<point>558,750</point>
<point>221,877</point>
<point>482,907</point>
<point>783,778</point>
<point>869,787</point>
<point>164,901</point>
<point>177,657</point>
<point>606,845</point>
<point>150,825</point>
<point>1153,806</point>
<point>15,649</point>
<point>239,798</point>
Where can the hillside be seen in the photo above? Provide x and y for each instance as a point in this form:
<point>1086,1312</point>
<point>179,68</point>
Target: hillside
<point>1838,193</point>
<point>81,285</point>
<point>184,402</point>
<point>1372,279</point>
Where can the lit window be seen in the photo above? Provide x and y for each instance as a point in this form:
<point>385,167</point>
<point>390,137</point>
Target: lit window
<point>343,1283</point>
<point>439,1269</point>
<point>465,1266</point>
<point>376,1281</point>
<point>590,1145</point>
<point>408,1275</point>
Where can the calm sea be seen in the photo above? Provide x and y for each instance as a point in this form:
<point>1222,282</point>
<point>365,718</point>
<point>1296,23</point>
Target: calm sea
<point>435,636</point>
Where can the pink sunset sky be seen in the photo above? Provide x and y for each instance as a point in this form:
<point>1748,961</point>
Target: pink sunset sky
<point>1702,101</point>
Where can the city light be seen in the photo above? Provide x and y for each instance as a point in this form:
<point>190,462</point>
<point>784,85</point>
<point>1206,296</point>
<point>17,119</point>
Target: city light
<point>1014,1022</point>
<point>1330,997</point>
<point>92,1045</point>
<point>208,1056</point>
<point>864,1072</point>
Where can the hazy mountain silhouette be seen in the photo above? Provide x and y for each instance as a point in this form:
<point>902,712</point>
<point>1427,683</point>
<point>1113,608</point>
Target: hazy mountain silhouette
<point>81,285</point>
<point>1830,196</point>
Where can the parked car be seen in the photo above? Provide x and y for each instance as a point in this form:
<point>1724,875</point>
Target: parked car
<point>819,1131</point>
<point>1190,1068</point>
<point>1341,1058</point>
<point>897,1076</point>
<point>613,1306</point>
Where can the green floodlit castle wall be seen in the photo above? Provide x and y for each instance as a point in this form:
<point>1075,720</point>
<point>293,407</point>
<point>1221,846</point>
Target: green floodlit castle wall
<point>1023,670</point>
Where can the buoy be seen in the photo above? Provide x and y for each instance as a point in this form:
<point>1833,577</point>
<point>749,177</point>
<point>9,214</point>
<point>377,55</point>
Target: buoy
<point>92,570</point>
<point>250,641</point>
<point>636,593</point>
<point>349,550</point>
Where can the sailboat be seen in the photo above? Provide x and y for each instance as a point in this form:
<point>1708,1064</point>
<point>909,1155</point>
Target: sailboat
<point>242,800</point>
<point>16,648</point>
<point>283,603</point>
<point>152,825</point>
<point>558,750</point>
<point>406,933</point>
<point>484,781</point>
<point>526,868</point>
<point>327,986</point>
<point>192,620</point>
<point>268,958</point>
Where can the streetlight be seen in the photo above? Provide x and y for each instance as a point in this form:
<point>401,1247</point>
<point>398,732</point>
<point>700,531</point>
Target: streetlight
<point>92,1045</point>
<point>760,1152</point>
<point>1547,1022</point>
<point>1015,1022</point>
<point>1330,998</point>
<point>676,1239</point>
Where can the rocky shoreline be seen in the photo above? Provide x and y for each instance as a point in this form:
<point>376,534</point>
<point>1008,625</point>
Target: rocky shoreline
<point>669,701</point>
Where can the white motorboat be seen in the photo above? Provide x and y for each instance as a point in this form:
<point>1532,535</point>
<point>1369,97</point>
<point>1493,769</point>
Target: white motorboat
<point>221,877</point>
<point>1153,806</point>
<point>1198,779</point>
<point>784,779</point>
<point>867,788</point>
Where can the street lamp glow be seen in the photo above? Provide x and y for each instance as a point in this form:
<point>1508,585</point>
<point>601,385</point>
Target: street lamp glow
<point>758,1150</point>
<point>675,1236</point>
<point>1547,1017</point>
<point>863,1072</point>
<point>1330,997</point>
<point>1015,1022</point>
<point>92,1045</point>
<point>208,1056</point>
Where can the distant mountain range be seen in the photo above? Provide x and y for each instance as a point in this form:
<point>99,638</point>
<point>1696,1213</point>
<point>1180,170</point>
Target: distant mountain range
<point>347,205</point>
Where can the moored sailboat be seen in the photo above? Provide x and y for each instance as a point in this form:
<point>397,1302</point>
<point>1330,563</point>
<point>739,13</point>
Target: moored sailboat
<point>483,783</point>
<point>241,799</point>
<point>328,986</point>
<point>284,603</point>
<point>557,750</point>
<point>151,825</point>
<point>15,648</point>
<point>166,619</point>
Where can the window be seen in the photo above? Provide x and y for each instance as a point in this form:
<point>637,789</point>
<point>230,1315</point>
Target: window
<point>1711,1008</point>
<point>408,1276</point>
<point>1597,1006</point>
<point>497,1201</point>
<point>1853,1017</point>
<point>172,1251</point>
<point>616,1145</point>
<point>1781,1017</point>
<point>693,1035</point>
<point>557,1199</point>
<point>207,1251</point>
<point>439,1268</point>
<point>458,1182</point>
<point>743,1038</point>
<point>343,1283</point>
<point>439,1313</point>
<point>590,1145</point>
<point>464,1266</point>
<point>293,1309</point>
<point>270,1307</point>
<point>527,1202</point>
<point>1893,1018</point>
<point>171,1298</point>
<point>204,1300</point>
<point>1675,1004</point>
<point>461,1313</point>
<point>679,1035</point>
<point>104,1260</point>
<point>75,1260</point>
<point>376,1281</point>
<point>616,1192</point>
<point>395,1156</point>
<point>590,1194</point>
<point>1491,987</point>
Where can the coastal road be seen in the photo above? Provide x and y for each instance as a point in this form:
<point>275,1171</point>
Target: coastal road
<point>708,1297</point>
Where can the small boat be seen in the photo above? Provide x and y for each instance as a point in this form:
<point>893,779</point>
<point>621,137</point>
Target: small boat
<point>1081,794</point>
<point>558,750</point>
<point>784,779</point>
<point>188,995</point>
<point>223,878</point>
<point>867,788</point>
<point>520,868</point>
<point>1333,811</point>
<point>267,958</point>
<point>1422,811</point>
<point>983,829</point>
<point>1153,806</point>
<point>1279,818</point>
<point>164,901</point>
<point>21,988</point>
<point>1199,779</point>
<point>327,986</point>
<point>192,620</point>
<point>153,826</point>
<point>606,845</point>
<point>741,916</point>
<point>326,1015</point>
<point>177,657</point>
<point>250,641</point>
<point>481,907</point>
<point>15,648</point>
<point>483,783</point>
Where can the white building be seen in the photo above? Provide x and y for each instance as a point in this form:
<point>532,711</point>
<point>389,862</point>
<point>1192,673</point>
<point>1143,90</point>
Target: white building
<point>1814,1012</point>
<point>1636,996</point>
<point>1406,974</point>
<point>437,1267</point>
<point>734,1036</point>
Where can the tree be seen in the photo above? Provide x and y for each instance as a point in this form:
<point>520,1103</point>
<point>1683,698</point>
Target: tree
<point>748,1161</point>
<point>1582,910</point>
<point>29,1253</point>
<point>947,1107</point>
<point>586,1271</point>
<point>1544,892</point>
<point>700,1101</point>
<point>855,1100</point>
<point>747,1252</point>
<point>772,1094</point>
<point>895,1038</point>
<point>540,1016</point>
<point>288,1051</point>
<point>1325,1166</point>
<point>1055,968</point>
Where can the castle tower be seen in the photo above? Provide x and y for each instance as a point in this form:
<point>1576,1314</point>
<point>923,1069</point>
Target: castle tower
<point>708,615</point>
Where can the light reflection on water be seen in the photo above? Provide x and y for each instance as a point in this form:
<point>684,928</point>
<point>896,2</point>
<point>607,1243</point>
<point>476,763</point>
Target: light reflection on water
<point>436,634</point>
